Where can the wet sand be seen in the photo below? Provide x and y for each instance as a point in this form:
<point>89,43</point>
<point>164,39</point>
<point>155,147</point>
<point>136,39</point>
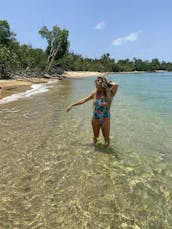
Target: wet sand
<point>9,87</point>
<point>12,86</point>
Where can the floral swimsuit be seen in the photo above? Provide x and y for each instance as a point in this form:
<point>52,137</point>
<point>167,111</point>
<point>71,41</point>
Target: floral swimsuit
<point>101,110</point>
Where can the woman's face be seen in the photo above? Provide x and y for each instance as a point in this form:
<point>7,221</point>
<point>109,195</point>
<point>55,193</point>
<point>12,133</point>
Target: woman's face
<point>98,83</point>
<point>101,83</point>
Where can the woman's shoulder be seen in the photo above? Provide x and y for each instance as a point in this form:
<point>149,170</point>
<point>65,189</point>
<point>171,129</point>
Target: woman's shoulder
<point>94,92</point>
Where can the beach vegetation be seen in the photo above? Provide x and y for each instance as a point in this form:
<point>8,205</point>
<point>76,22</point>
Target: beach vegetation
<point>8,62</point>
<point>24,60</point>
<point>6,35</point>
<point>58,44</point>
<point>31,58</point>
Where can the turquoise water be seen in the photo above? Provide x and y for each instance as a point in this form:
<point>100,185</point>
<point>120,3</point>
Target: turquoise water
<point>52,176</point>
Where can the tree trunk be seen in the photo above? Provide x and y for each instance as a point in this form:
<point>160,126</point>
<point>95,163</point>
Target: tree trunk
<point>52,56</point>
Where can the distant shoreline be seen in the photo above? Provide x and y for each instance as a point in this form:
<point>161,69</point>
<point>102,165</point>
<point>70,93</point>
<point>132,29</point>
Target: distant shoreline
<point>22,84</point>
<point>82,74</point>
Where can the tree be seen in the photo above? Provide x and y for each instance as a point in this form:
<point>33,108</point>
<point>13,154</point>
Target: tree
<point>6,35</point>
<point>57,43</point>
<point>107,62</point>
<point>155,64</point>
<point>125,65</point>
<point>139,65</point>
<point>8,62</point>
<point>31,59</point>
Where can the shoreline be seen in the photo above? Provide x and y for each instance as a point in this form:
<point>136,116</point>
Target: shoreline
<point>82,74</point>
<point>10,87</point>
<point>22,84</point>
<point>15,86</point>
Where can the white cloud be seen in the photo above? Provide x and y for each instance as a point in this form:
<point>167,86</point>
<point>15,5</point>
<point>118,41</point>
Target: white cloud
<point>100,25</point>
<point>129,38</point>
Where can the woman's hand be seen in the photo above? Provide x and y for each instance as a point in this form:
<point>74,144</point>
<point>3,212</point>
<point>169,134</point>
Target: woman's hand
<point>69,108</point>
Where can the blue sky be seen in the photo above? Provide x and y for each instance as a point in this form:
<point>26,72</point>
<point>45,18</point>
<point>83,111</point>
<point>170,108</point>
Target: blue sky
<point>123,28</point>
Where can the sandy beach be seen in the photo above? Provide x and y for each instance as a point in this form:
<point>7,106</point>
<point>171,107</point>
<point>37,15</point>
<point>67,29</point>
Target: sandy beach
<point>18,85</point>
<point>81,74</point>
<point>14,86</point>
<point>9,87</point>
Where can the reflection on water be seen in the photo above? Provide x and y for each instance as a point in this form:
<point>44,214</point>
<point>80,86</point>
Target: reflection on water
<point>52,176</point>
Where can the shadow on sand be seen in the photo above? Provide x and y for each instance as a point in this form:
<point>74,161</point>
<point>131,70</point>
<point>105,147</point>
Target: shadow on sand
<point>107,149</point>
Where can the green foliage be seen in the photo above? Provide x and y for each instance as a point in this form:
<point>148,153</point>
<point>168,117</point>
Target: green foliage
<point>8,62</point>
<point>57,43</point>
<point>25,59</point>
<point>125,65</point>
<point>75,62</point>
<point>6,35</point>
<point>155,64</point>
<point>30,58</point>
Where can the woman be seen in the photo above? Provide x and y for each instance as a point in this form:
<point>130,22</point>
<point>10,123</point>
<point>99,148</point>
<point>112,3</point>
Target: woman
<point>102,97</point>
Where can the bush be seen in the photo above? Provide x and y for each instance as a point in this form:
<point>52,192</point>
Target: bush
<point>8,62</point>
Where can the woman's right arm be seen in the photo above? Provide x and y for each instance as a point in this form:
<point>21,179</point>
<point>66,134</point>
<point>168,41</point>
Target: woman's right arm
<point>81,101</point>
<point>114,88</point>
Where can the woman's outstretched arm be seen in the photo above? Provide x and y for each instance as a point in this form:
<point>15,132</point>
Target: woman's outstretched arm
<point>81,101</point>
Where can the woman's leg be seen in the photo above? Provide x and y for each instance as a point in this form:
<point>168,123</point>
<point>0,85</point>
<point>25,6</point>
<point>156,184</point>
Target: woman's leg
<point>96,129</point>
<point>106,130</point>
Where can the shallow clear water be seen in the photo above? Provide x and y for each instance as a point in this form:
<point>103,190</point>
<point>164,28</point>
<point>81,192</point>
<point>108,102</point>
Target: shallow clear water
<point>53,177</point>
